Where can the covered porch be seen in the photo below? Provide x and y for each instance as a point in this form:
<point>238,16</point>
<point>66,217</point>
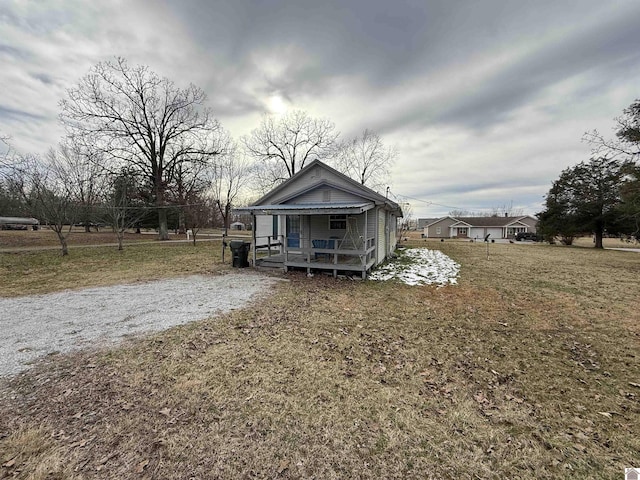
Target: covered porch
<point>317,237</point>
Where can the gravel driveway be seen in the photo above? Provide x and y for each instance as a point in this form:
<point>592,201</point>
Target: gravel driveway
<point>37,325</point>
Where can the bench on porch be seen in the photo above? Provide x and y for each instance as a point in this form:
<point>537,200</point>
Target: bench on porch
<point>321,243</point>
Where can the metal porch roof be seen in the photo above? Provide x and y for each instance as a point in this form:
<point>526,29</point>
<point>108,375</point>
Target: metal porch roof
<point>310,208</point>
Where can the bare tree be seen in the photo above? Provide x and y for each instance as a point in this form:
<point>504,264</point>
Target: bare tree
<point>404,224</point>
<point>84,170</point>
<point>199,212</point>
<point>283,146</point>
<point>188,187</point>
<point>49,190</point>
<point>232,174</point>
<point>505,211</point>
<point>120,206</point>
<point>6,157</point>
<point>367,160</point>
<point>144,121</point>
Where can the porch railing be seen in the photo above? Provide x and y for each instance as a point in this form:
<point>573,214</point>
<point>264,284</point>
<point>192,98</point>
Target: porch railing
<point>268,243</point>
<point>321,253</point>
<point>332,252</point>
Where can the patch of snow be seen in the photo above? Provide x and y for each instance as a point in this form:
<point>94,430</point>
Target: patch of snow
<point>426,267</point>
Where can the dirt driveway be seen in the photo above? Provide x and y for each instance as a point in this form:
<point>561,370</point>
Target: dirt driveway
<point>38,325</point>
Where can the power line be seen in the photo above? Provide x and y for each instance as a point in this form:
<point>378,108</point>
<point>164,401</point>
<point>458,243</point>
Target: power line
<point>428,202</point>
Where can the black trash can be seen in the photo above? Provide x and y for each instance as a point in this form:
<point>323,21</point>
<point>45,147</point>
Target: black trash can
<point>240,253</point>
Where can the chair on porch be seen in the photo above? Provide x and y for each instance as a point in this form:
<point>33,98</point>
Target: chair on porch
<point>320,244</point>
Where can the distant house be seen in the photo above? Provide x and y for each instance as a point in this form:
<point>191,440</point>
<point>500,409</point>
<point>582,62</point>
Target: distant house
<point>479,227</point>
<point>18,223</point>
<point>423,222</point>
<point>320,219</point>
<point>237,226</point>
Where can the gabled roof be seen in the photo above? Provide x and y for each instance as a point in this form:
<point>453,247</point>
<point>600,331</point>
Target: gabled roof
<point>423,222</point>
<point>353,187</point>
<point>519,220</point>
<point>485,221</point>
<point>463,223</point>
<point>488,221</point>
<point>436,220</point>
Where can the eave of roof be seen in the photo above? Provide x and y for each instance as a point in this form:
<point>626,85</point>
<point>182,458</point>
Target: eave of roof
<point>342,208</point>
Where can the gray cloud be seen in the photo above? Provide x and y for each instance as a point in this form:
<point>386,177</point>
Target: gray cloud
<point>486,101</point>
<point>15,114</point>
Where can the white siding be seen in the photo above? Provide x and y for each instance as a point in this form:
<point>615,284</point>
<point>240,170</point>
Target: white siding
<point>393,235</point>
<point>380,247</point>
<point>371,224</point>
<point>264,227</point>
<point>324,195</point>
<point>319,228</point>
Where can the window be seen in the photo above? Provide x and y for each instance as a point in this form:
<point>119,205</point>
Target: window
<point>293,231</point>
<point>337,222</point>
<point>512,231</point>
<point>293,224</point>
<point>438,230</point>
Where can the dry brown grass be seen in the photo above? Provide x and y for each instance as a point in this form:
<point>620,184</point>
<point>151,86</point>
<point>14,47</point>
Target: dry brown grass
<point>521,371</point>
<point>43,271</point>
<point>47,238</point>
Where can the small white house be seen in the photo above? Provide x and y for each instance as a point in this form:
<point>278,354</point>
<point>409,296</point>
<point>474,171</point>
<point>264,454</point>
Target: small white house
<point>479,227</point>
<point>19,223</point>
<point>320,219</point>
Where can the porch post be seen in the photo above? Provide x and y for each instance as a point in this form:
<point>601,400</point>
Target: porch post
<point>366,238</point>
<point>253,235</point>
<point>283,235</point>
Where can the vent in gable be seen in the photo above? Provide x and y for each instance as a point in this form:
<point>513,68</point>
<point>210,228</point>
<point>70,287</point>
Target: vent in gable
<point>326,195</point>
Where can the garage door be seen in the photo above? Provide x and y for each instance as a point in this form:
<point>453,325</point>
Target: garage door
<point>477,233</point>
<point>495,233</point>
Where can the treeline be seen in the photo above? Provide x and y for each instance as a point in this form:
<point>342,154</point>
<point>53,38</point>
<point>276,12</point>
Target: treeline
<point>600,196</point>
<point>140,151</point>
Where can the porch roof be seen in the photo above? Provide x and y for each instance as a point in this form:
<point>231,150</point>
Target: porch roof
<point>349,208</point>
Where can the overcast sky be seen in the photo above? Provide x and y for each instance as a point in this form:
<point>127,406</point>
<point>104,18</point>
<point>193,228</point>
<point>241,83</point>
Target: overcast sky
<point>487,101</point>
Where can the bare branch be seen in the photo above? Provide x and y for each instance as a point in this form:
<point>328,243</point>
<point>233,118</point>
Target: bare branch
<point>142,121</point>
<point>284,146</point>
<point>367,160</point>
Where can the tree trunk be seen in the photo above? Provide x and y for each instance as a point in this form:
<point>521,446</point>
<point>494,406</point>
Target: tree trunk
<point>598,238</point>
<point>120,236</point>
<point>182,223</point>
<point>63,244</point>
<point>163,231</point>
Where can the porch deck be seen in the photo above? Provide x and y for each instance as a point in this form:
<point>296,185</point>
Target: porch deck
<point>318,261</point>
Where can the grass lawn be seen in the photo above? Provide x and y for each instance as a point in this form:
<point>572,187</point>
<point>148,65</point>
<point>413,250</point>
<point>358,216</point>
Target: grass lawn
<point>528,368</point>
<point>42,271</point>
